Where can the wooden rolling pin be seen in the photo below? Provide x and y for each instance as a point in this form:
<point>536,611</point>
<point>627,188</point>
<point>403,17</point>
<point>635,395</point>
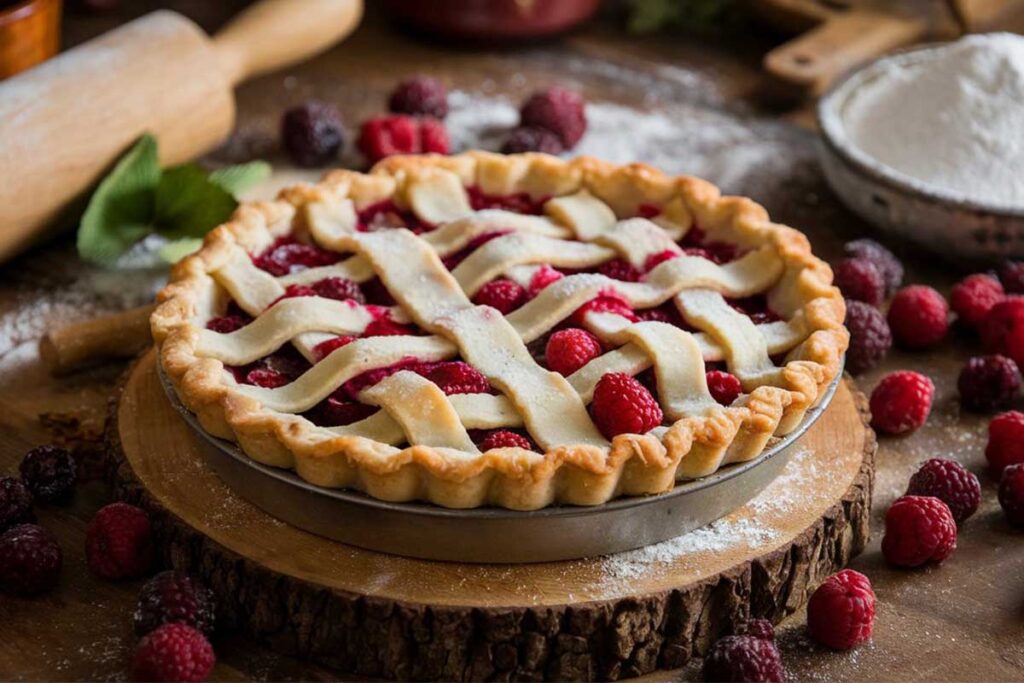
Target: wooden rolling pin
<point>112,337</point>
<point>64,123</point>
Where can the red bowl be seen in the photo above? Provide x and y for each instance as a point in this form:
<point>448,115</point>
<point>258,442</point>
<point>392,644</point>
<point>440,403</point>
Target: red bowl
<point>493,19</point>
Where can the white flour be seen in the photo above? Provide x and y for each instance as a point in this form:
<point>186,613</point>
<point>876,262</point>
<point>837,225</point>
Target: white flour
<point>954,120</point>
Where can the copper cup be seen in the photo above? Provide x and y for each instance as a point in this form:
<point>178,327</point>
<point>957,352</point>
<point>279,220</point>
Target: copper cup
<point>29,34</point>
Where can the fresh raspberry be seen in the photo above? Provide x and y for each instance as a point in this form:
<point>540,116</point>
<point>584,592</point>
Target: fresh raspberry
<point>227,323</point>
<point>870,337</point>
<point>886,262</point>
<point>918,317</point>
<point>603,303</point>
<point>622,405</point>
<point>655,260</point>
<point>1011,275</point>
<point>420,96</point>
<point>860,280</point>
<point>918,530</point>
<point>558,110</point>
<point>295,290</point>
<point>30,560</point>
<point>951,483</point>
<point>312,134</point>
<point>174,597</point>
<point>1011,494</point>
<point>434,137</point>
<point>974,296</point>
<point>173,652</point>
<point>724,387</point>
<point>288,256</point>
<point>119,542</point>
<point>743,658</point>
<point>901,402</point>
<point>758,628</point>
<point>383,136</point>
<point>15,503</point>
<point>49,472</point>
<point>268,378</point>
<point>570,349</point>
<point>502,438</point>
<point>841,612</point>
<point>504,295</point>
<point>337,412</point>
<point>618,269</point>
<point>456,377</point>
<point>1005,440</point>
<point>543,277</point>
<point>532,139</point>
<point>1002,331</point>
<point>339,288</point>
<point>385,327</point>
<point>326,348</point>
<point>988,382</point>
<point>354,386</point>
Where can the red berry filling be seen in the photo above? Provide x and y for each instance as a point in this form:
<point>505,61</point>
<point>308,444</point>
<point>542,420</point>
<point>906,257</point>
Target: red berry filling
<point>570,349</point>
<point>286,255</point>
<point>385,214</point>
<point>519,203</point>
<point>504,295</point>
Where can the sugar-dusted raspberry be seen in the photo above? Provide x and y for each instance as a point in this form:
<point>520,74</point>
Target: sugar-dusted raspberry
<point>603,303</point>
<point>337,411</point>
<point>174,597</point>
<point>622,405</point>
<point>1011,494</point>
<point>49,472</point>
<point>918,530</point>
<point>326,348</point>
<point>570,349</point>
<point>227,323</point>
<point>918,317</point>
<point>543,277</point>
<point>860,280</point>
<point>974,296</point>
<point>988,382</point>
<point>503,438</point>
<point>339,288</point>
<point>457,377</point>
<point>841,612</point>
<point>268,378</point>
<point>434,137</point>
<point>886,262</point>
<point>655,260</point>
<point>312,133</point>
<point>294,291</point>
<point>742,659</point>
<point>950,482</point>
<point>383,136</point>
<point>870,337</point>
<point>1005,440</point>
<point>1002,330</point>
<point>724,387</point>
<point>901,402</point>
<point>15,503</point>
<point>558,110</point>
<point>619,269</point>
<point>1011,275</point>
<point>288,256</point>
<point>30,560</point>
<point>532,139</point>
<point>758,628</point>
<point>173,652</point>
<point>504,295</point>
<point>119,542</point>
<point>420,96</point>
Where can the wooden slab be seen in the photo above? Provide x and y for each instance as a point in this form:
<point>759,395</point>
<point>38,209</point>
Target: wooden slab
<point>382,615</point>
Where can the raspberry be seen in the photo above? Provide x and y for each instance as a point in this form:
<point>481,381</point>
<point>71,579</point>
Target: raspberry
<point>743,658</point>
<point>841,612</point>
<point>294,291</point>
<point>385,327</point>
<point>173,652</point>
<point>543,277</point>
<point>951,483</point>
<point>1005,440</point>
<point>618,269</point>
<point>267,378</point>
<point>1011,275</point>
<point>532,139</point>
<point>286,256</point>
<point>901,402</point>
<point>338,412</point>
<point>504,295</point>
<point>918,530</point>
<point>758,628</point>
<point>1002,331</point>
<point>420,96</point>
<point>326,348</point>
<point>49,472</point>
<point>502,438</point>
<point>622,405</point>
<point>655,260</point>
<point>885,261</point>
<point>15,503</point>
<point>312,133</point>
<point>339,288</point>
<point>456,377</point>
<point>1011,494</point>
<point>870,337</point>
<point>119,542</point>
<point>558,110</point>
<point>988,382</point>
<point>386,135</point>
<point>30,560</point>
<point>603,303</point>
<point>724,387</point>
<point>860,280</point>
<point>434,137</point>
<point>974,296</point>
<point>918,317</point>
<point>174,597</point>
<point>226,323</point>
<point>570,349</point>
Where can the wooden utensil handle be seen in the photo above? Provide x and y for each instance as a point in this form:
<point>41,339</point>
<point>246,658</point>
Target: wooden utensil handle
<point>73,346</point>
<point>276,33</point>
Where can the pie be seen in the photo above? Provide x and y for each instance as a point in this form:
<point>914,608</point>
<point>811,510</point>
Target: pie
<point>392,332</point>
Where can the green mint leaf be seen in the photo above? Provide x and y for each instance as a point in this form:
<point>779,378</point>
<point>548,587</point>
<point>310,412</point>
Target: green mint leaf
<point>238,179</point>
<point>189,203</point>
<point>172,252</point>
<point>122,208</point>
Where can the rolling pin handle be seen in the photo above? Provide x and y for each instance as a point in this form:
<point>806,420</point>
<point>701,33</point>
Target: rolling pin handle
<point>77,345</point>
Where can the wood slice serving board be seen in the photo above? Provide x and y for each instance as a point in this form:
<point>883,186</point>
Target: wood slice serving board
<point>602,618</point>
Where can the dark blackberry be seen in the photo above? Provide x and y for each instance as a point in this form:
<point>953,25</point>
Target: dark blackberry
<point>988,382</point>
<point>312,133</point>
<point>532,139</point>
<point>870,338</point>
<point>420,96</point>
<point>49,473</point>
<point>744,658</point>
<point>860,280</point>
<point>15,503</point>
<point>951,483</point>
<point>30,560</point>
<point>886,262</point>
<point>174,597</point>
<point>1011,274</point>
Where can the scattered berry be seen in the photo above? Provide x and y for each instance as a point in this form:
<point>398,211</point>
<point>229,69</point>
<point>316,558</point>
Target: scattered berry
<point>841,612</point>
<point>15,503</point>
<point>622,405</point>
<point>420,96</point>
<point>988,382</point>
<point>759,628</point>
<point>886,262</point>
<point>558,110</point>
<point>870,337</point>
<point>49,472</point>
<point>951,483</point>
<point>173,652</point>
<point>619,269</point>
<point>860,280</point>
<point>744,658</point>
<point>339,288</point>
<point>901,402</point>
<point>383,136</point>
<point>1002,331</point>
<point>502,438</point>
<point>174,597</point>
<point>570,349</point>
<point>504,295</point>
<point>974,296</point>
<point>434,137</point>
<point>532,139</point>
<point>1011,494</point>
<point>1005,440</point>
<point>119,542</point>
<point>457,377</point>
<point>312,133</point>
<point>918,317</point>
<point>724,387</point>
<point>1011,274</point>
<point>30,560</point>
<point>918,530</point>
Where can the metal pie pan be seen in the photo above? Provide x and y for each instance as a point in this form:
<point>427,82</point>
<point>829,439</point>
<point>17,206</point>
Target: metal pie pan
<point>495,535</point>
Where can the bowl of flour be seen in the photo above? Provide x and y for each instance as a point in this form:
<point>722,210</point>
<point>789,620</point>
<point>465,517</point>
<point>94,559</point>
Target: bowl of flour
<point>928,144</point>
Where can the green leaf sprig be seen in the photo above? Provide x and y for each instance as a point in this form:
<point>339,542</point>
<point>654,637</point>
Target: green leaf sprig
<point>181,203</point>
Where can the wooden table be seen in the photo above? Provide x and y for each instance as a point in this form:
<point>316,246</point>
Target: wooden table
<point>962,620</point>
